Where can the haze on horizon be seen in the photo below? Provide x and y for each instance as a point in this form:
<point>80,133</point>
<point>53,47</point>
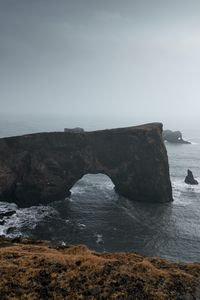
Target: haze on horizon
<point>132,59</point>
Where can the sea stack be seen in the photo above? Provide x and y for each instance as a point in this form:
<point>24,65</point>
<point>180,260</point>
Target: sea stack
<point>189,179</point>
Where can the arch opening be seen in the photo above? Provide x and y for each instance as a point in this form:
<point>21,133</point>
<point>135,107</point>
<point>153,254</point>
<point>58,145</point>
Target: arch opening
<point>98,182</point>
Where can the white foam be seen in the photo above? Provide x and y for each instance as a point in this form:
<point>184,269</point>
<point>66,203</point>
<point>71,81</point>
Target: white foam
<point>27,218</point>
<point>92,182</point>
<point>180,187</point>
<point>5,206</point>
<point>81,226</point>
<point>77,190</point>
<point>99,238</point>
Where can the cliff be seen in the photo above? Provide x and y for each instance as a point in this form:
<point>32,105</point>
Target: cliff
<point>39,270</point>
<point>40,168</point>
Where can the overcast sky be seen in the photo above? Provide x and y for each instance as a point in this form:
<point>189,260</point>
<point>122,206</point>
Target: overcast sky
<point>136,59</point>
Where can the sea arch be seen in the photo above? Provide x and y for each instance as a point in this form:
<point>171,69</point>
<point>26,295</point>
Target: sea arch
<point>43,167</point>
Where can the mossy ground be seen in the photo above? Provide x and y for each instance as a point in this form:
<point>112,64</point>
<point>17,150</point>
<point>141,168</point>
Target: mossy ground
<point>37,270</point>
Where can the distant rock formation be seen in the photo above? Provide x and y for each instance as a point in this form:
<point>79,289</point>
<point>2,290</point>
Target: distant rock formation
<point>42,167</point>
<point>74,130</point>
<point>174,137</point>
<point>189,179</point>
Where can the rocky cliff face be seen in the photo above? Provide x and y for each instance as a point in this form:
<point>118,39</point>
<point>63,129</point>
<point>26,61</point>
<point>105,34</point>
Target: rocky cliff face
<point>43,167</point>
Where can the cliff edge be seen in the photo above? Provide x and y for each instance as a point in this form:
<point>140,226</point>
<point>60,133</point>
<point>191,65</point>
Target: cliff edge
<point>39,270</point>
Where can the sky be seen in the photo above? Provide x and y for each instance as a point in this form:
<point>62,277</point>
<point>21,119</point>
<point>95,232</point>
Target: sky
<point>136,60</point>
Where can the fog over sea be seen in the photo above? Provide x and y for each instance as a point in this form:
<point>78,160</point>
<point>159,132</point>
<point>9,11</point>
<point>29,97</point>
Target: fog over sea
<point>98,217</point>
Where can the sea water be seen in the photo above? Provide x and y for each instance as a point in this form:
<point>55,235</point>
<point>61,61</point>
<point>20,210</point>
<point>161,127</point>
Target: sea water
<point>97,216</point>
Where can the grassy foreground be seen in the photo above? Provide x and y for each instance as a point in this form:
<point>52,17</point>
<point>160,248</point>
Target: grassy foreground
<point>39,270</point>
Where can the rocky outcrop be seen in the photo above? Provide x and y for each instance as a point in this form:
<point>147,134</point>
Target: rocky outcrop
<point>39,168</point>
<point>189,179</point>
<point>45,271</point>
<point>174,137</point>
<point>74,130</point>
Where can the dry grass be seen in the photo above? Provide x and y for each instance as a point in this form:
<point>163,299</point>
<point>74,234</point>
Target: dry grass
<point>37,270</point>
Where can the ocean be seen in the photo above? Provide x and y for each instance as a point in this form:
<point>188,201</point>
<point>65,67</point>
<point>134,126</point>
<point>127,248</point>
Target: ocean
<point>97,216</point>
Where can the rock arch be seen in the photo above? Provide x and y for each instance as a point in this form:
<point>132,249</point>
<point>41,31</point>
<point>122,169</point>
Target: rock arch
<point>42,167</point>
<point>101,182</point>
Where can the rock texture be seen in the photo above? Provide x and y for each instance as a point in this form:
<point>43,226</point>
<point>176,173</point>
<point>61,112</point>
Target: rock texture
<point>189,179</point>
<point>76,273</point>
<point>174,137</point>
<point>43,167</point>
<point>74,130</point>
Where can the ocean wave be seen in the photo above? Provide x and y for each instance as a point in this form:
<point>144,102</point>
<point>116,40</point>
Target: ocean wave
<point>94,182</point>
<point>194,143</point>
<point>99,238</point>
<point>23,218</point>
<point>81,226</point>
<point>183,192</point>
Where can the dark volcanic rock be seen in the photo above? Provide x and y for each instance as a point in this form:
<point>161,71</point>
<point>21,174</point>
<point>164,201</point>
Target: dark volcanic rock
<point>74,130</point>
<point>174,137</point>
<point>189,179</point>
<point>43,167</point>
<point>7,213</point>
